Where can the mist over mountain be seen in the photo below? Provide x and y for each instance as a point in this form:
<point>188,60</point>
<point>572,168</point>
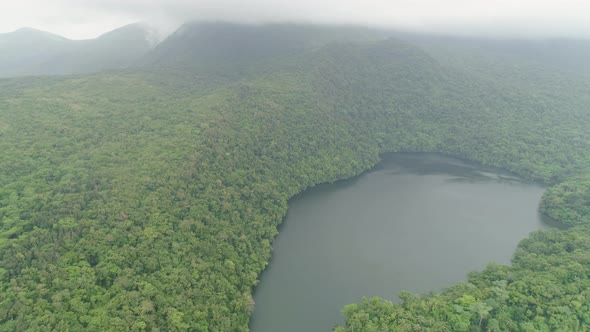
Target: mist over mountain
<point>117,49</point>
<point>214,45</point>
<point>33,52</point>
<point>25,48</point>
<point>560,53</point>
<point>242,47</point>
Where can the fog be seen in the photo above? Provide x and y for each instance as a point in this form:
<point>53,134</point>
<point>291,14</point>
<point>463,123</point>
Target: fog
<point>493,18</point>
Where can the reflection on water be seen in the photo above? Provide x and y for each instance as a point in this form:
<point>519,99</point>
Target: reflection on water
<point>460,171</point>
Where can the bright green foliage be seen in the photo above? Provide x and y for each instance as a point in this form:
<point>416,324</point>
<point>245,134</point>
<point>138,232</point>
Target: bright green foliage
<point>148,200</point>
<point>569,201</point>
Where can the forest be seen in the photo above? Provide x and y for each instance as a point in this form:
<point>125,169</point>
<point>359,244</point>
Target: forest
<point>147,199</point>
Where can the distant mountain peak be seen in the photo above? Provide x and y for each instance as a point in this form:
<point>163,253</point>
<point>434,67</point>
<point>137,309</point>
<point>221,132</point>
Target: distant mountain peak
<point>152,34</point>
<point>222,44</point>
<point>29,51</point>
<point>157,32</point>
<point>28,32</point>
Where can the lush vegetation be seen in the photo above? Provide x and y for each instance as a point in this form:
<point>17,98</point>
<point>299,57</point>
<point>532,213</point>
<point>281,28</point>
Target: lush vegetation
<point>569,201</point>
<point>147,200</point>
<point>547,287</point>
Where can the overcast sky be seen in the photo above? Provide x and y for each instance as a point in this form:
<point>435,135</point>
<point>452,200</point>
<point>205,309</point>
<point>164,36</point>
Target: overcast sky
<point>80,19</point>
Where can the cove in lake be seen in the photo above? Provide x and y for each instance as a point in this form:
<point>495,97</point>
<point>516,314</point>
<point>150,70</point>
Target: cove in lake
<point>417,222</point>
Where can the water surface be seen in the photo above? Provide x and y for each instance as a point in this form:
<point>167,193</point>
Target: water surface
<point>417,222</point>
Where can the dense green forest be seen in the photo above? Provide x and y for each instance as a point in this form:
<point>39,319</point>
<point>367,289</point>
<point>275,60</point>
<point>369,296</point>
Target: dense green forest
<point>147,199</point>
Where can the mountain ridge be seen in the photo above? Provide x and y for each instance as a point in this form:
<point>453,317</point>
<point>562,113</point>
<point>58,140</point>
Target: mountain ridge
<point>28,51</point>
<point>32,52</point>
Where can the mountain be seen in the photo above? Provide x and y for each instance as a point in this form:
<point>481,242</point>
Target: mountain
<point>563,54</point>
<point>117,49</point>
<point>26,48</point>
<point>238,46</point>
<point>33,52</point>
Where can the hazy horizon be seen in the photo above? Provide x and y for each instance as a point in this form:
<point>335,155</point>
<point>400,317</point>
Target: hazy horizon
<point>164,32</point>
<point>86,19</point>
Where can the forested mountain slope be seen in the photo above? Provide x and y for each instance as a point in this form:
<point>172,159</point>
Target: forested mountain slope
<point>27,52</point>
<point>148,199</point>
<point>561,54</point>
<point>247,50</point>
<point>28,47</point>
<point>117,49</point>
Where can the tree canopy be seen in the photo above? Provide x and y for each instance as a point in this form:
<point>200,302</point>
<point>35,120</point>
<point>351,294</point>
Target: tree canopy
<point>148,199</point>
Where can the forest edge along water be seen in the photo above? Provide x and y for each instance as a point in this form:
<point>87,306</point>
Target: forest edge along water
<point>417,222</point>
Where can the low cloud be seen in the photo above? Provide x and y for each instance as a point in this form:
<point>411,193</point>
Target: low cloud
<point>497,18</point>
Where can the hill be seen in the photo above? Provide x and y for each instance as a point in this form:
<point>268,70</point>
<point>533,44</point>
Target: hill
<point>26,48</point>
<point>246,49</point>
<point>27,52</point>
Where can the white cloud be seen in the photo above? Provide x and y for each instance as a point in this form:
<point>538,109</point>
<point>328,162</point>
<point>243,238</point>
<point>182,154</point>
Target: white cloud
<point>89,18</point>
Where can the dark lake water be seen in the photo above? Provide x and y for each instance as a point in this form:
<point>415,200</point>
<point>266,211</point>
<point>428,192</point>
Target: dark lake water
<point>417,222</point>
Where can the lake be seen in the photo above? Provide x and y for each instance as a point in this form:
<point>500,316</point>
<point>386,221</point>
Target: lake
<point>416,222</point>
